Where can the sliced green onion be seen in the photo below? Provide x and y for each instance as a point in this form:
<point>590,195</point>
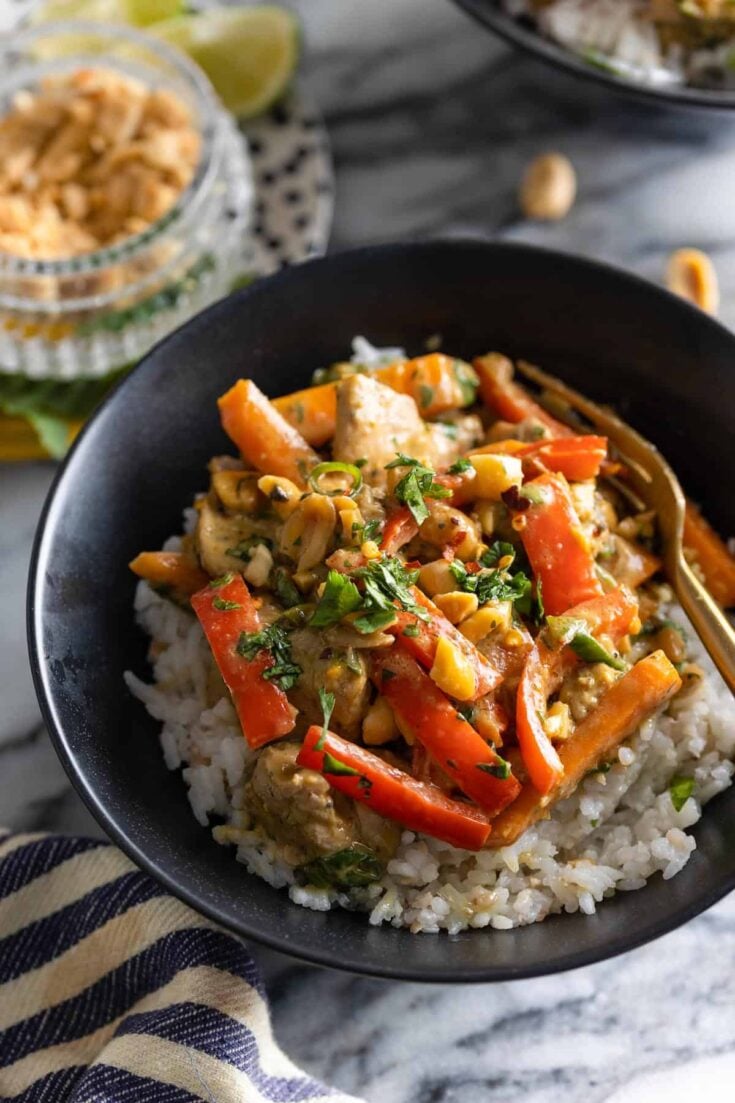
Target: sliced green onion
<point>330,466</point>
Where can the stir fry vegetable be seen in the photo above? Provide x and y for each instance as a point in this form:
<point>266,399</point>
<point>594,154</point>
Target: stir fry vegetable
<point>452,585</point>
<point>246,658</point>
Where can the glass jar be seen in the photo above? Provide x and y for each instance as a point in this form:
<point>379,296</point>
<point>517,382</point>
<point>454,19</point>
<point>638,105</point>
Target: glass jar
<point>90,314</point>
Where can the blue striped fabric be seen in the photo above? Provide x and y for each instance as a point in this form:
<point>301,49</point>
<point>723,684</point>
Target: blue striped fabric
<point>112,991</point>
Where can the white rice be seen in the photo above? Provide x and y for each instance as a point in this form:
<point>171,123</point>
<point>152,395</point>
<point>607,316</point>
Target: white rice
<point>617,34</point>
<point>617,830</point>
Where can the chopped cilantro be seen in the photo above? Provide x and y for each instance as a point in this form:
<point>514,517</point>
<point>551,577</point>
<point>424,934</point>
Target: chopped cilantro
<point>500,768</point>
<point>339,597</point>
<point>468,381</point>
<point>327,700</point>
<point>223,580</point>
<point>495,585</point>
<point>353,867</point>
<point>273,639</point>
<point>222,605</point>
<point>680,790</point>
<point>499,549</point>
<point>284,588</point>
<point>460,466</point>
<point>411,630</point>
<point>245,548</point>
<point>332,765</point>
<point>417,485</point>
<point>426,396</point>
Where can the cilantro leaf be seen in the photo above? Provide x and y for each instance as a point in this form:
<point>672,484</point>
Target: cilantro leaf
<point>273,639</point>
<point>415,486</point>
<point>680,790</point>
<point>339,597</point>
<point>353,867</point>
<point>495,585</point>
<point>459,466</point>
<point>500,768</point>
<point>327,701</point>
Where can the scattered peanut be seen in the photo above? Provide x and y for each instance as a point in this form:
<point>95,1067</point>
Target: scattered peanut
<point>456,605</point>
<point>691,274</point>
<point>548,188</point>
<point>379,725</point>
<point>452,672</point>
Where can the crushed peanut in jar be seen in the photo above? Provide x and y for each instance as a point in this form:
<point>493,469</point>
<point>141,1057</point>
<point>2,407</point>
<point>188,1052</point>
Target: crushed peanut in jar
<point>89,158</point>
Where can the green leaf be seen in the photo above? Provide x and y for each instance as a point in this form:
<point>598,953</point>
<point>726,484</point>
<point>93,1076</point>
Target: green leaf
<point>468,381</point>
<point>53,433</point>
<point>354,867</point>
<point>244,549</point>
<point>273,639</point>
<point>680,790</point>
<point>460,466</point>
<point>222,605</point>
<point>411,630</point>
<point>327,700</point>
<point>417,485</point>
<point>426,396</point>
<point>284,588</point>
<point>340,597</point>
<point>332,765</point>
<point>588,649</point>
<point>500,768</point>
<point>495,585</point>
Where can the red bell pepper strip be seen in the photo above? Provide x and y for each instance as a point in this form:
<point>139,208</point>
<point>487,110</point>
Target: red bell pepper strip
<point>609,615</point>
<point>225,610</point>
<point>473,765</point>
<point>422,646</point>
<point>418,805</point>
<point>556,546</point>
<point>399,529</point>
<point>509,400</point>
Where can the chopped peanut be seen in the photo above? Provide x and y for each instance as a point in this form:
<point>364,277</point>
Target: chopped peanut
<point>549,187</point>
<point>496,614</point>
<point>452,672</point>
<point>558,721</point>
<point>436,578</point>
<point>88,158</point>
<point>495,474</point>
<point>379,725</point>
<point>456,606</point>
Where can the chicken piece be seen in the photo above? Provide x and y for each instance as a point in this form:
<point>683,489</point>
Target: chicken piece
<point>328,668</point>
<point>218,533</point>
<point>374,423</point>
<point>301,812</point>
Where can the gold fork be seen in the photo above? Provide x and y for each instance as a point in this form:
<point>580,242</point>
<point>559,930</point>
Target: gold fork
<point>656,485</point>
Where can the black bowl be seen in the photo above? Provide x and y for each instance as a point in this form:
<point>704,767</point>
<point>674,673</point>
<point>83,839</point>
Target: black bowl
<point>521,33</point>
<point>667,367</point>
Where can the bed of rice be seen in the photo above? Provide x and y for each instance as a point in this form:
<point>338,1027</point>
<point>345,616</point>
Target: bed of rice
<point>617,34</point>
<point>615,832</point>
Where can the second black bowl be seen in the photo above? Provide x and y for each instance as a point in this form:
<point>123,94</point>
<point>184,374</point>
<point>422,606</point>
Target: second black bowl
<point>520,33</point>
<point>667,367</point>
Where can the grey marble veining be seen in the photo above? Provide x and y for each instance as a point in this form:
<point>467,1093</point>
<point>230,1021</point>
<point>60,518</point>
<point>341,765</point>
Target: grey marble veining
<point>432,122</point>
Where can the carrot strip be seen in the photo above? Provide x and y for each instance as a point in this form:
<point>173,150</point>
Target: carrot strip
<point>168,568</point>
<point>225,611</point>
<point>712,555</point>
<point>610,615</point>
<point>577,458</point>
<point>508,399</point>
<point>556,546</point>
<point>264,437</point>
<point>452,742</point>
<point>312,411</point>
<point>422,646</point>
<point>630,701</point>
<point>390,792</point>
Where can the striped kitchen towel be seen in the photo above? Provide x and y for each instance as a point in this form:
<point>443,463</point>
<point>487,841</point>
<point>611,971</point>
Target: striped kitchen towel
<point>112,991</point>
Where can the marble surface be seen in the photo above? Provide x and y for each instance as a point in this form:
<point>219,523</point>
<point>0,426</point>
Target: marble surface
<point>432,122</point>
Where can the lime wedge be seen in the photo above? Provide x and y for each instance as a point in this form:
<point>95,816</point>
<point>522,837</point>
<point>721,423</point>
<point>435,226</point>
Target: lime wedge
<point>249,54</point>
<point>139,13</point>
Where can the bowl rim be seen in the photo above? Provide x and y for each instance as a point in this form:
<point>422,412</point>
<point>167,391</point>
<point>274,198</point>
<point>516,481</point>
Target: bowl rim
<point>530,41</point>
<point>306,952</point>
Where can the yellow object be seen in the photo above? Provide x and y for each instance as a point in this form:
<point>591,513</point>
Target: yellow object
<point>548,188</point>
<point>496,614</point>
<point>456,605</point>
<point>283,494</point>
<point>379,725</point>
<point>249,54</point>
<point>558,721</point>
<point>370,549</point>
<point>495,474</point>
<point>691,274</point>
<point>139,13</point>
<point>452,672</point>
<point>436,578</point>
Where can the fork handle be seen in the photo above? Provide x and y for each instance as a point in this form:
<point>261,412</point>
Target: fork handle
<point>708,620</point>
